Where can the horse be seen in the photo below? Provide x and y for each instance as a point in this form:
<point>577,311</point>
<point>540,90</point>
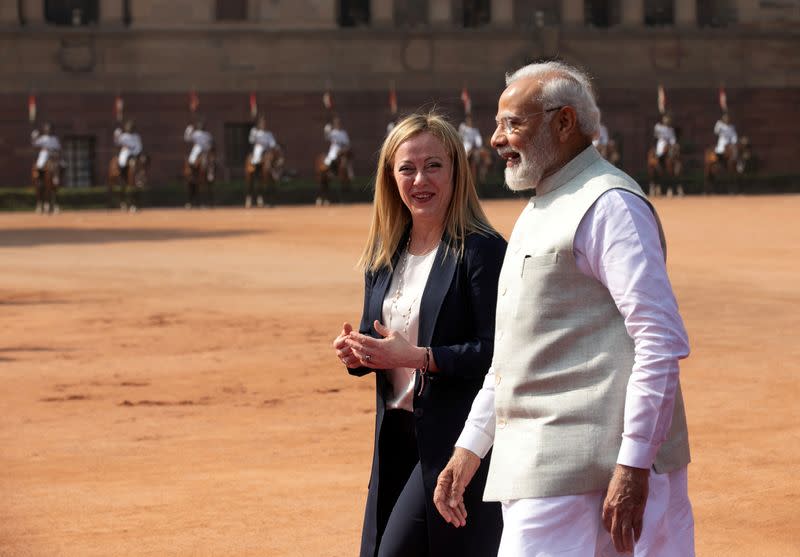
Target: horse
<point>131,182</point>
<point>200,176</point>
<point>669,172</point>
<point>728,167</point>
<point>46,183</point>
<point>341,168</point>
<point>611,153</point>
<point>480,161</point>
<point>262,177</point>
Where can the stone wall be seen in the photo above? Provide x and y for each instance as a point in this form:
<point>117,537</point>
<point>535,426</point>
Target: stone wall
<point>75,73</point>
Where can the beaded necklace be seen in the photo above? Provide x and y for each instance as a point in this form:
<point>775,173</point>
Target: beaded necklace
<point>398,293</point>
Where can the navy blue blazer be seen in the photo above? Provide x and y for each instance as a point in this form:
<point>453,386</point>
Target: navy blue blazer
<point>457,313</point>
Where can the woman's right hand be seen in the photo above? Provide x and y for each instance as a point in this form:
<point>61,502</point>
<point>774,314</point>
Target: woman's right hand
<point>343,351</point>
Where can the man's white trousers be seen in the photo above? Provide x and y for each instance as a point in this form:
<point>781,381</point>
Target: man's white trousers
<point>571,525</point>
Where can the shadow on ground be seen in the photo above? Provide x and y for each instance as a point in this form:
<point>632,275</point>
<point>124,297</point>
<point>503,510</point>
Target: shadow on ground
<point>27,237</point>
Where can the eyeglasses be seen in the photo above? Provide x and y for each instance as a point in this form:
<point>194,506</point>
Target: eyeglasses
<point>511,124</point>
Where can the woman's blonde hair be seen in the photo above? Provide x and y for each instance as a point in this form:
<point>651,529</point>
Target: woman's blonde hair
<point>390,216</point>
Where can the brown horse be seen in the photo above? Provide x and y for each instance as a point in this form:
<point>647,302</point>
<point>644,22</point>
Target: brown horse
<point>480,161</point>
<point>610,152</point>
<point>341,168</point>
<point>727,167</point>
<point>131,181</point>
<point>200,176</point>
<point>260,179</point>
<point>669,171</point>
<point>46,183</point>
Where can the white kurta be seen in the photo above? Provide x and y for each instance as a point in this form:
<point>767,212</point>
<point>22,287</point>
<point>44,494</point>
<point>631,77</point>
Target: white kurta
<point>262,141</point>
<point>726,135</point>
<point>202,142</point>
<point>618,244</point>
<point>471,137</point>
<point>47,145</point>
<point>602,137</point>
<point>665,136</point>
<point>339,141</point>
<point>130,146</point>
<point>401,313</point>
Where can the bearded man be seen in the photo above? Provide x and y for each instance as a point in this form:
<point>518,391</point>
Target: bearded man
<point>582,403</point>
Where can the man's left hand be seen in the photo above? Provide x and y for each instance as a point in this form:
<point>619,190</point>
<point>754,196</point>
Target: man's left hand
<point>623,509</point>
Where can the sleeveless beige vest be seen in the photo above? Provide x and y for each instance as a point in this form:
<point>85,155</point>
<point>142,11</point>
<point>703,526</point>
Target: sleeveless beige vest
<point>562,356</point>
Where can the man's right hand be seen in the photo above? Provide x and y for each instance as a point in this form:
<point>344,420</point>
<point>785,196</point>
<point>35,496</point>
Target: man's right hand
<point>454,479</point>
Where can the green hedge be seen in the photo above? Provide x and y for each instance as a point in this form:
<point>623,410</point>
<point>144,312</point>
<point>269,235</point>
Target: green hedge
<point>297,192</point>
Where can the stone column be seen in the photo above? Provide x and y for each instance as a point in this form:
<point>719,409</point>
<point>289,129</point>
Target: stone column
<point>572,13</point>
<point>33,12</point>
<point>502,13</point>
<point>440,12</point>
<point>8,13</point>
<point>686,13</point>
<point>381,13</point>
<point>110,12</point>
<point>632,13</point>
<point>747,11</point>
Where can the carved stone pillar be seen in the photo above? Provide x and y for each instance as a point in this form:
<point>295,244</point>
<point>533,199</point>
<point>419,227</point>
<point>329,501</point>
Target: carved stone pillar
<point>502,13</point>
<point>111,12</point>
<point>632,13</point>
<point>686,13</point>
<point>382,13</point>
<point>32,12</point>
<point>440,12</point>
<point>572,13</point>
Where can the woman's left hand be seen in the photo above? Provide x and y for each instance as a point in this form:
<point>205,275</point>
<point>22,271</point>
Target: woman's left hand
<point>389,352</point>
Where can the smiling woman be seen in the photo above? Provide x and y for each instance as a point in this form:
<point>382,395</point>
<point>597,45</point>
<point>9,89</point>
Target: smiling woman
<point>431,264</point>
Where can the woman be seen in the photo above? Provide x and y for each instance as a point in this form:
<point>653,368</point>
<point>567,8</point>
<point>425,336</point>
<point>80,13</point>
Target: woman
<point>431,264</point>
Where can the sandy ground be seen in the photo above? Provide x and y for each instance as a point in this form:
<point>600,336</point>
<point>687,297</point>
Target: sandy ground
<point>169,387</point>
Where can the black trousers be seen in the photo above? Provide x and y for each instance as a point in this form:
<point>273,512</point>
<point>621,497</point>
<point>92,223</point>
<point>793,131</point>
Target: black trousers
<point>402,524</point>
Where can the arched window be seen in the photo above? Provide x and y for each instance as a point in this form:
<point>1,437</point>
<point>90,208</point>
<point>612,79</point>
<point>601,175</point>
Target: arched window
<point>71,12</point>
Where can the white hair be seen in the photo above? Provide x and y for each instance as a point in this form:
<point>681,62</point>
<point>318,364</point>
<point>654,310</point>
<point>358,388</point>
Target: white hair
<point>564,85</point>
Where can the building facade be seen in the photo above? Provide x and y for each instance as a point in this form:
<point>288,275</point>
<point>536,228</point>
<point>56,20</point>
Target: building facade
<point>76,56</point>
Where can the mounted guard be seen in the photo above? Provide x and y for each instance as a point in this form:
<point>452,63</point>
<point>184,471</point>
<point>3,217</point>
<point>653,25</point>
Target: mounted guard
<point>46,171</point>
<point>200,166</point>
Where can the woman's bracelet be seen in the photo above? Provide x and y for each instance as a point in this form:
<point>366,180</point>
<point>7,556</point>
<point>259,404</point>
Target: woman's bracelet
<point>423,371</point>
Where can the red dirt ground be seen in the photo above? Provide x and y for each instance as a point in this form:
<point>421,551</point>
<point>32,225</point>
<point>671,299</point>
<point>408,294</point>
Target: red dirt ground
<point>169,387</point>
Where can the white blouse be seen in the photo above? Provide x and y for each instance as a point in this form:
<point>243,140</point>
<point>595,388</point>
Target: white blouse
<point>401,313</point>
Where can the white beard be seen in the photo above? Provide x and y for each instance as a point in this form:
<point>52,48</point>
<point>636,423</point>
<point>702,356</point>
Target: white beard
<point>540,154</point>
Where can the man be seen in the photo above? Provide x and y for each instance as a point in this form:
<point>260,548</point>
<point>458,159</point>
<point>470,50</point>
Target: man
<point>130,145</point>
<point>262,140</point>
<point>470,135</point>
<point>49,147</point>
<point>201,140</point>
<point>582,403</point>
<point>726,136</point>
<point>664,134</point>
<point>600,141</point>
<point>338,138</point>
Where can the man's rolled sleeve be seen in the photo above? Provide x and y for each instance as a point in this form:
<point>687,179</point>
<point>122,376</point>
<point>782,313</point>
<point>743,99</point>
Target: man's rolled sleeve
<point>478,433</point>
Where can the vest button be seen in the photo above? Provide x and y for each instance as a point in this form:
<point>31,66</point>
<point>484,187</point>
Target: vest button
<point>418,412</point>
<point>503,292</point>
<point>501,423</point>
<point>497,379</point>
